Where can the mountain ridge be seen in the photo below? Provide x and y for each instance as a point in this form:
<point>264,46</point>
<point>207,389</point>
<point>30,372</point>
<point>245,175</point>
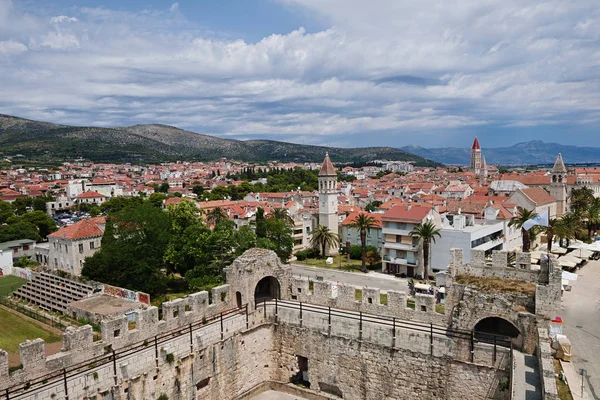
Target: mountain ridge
<point>147,143</point>
<point>522,153</point>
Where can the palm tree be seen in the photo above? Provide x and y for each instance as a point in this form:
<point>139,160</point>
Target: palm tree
<point>362,222</point>
<point>566,227</point>
<point>518,221</point>
<point>282,215</point>
<point>550,231</point>
<point>592,216</point>
<point>426,233</point>
<point>322,238</point>
<point>216,215</point>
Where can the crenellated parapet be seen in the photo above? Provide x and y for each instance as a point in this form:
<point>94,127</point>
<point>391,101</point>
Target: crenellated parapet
<point>367,300</point>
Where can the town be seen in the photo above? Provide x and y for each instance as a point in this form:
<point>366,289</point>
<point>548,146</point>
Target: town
<point>84,244</point>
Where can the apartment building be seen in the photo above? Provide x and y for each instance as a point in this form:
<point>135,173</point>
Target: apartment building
<point>402,253</point>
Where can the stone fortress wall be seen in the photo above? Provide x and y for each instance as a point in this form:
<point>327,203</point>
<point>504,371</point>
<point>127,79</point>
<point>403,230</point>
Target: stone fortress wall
<point>219,346</point>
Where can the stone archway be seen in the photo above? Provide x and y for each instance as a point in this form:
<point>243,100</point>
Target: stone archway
<point>267,288</point>
<point>486,327</point>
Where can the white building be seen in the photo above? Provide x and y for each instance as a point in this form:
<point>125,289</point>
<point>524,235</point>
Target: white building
<point>69,246</point>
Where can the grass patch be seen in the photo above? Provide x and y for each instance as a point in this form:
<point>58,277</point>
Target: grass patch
<point>358,294</point>
<point>353,265</point>
<point>383,298</point>
<point>563,389</point>
<point>410,303</point>
<point>16,329</point>
<point>440,308</point>
<point>10,283</point>
<point>497,285</point>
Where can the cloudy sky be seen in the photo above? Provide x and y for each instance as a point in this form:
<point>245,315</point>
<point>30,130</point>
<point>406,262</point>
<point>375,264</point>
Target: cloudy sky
<point>334,72</point>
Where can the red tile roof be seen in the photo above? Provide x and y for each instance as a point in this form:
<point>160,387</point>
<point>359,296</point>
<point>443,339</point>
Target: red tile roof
<point>538,195</point>
<point>476,144</point>
<point>412,213</point>
<point>327,168</point>
<point>89,195</point>
<point>83,229</point>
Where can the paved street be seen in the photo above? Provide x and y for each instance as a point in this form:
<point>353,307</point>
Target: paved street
<point>372,279</point>
<point>581,313</point>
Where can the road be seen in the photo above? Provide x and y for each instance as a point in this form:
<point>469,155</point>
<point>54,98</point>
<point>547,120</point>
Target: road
<point>581,315</point>
<point>359,279</point>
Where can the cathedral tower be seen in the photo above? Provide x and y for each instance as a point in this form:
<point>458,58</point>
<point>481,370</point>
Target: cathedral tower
<point>558,185</point>
<point>476,157</point>
<point>328,198</point>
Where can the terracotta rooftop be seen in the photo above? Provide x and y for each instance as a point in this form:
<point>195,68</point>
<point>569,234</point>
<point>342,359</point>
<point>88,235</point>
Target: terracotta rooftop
<point>476,144</point>
<point>352,216</point>
<point>538,195</point>
<point>83,229</point>
<point>412,213</point>
<point>89,195</point>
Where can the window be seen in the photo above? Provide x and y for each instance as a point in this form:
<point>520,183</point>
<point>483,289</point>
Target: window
<point>55,262</point>
<point>92,245</point>
<point>80,247</point>
<point>26,247</point>
<point>15,251</point>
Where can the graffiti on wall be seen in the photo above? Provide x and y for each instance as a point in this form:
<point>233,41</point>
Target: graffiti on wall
<point>126,294</point>
<point>22,273</point>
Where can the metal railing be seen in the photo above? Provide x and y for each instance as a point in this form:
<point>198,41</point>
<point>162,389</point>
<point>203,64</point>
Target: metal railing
<point>394,323</point>
<point>113,355</point>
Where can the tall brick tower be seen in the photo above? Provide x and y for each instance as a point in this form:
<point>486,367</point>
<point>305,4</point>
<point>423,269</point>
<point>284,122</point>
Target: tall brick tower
<point>476,157</point>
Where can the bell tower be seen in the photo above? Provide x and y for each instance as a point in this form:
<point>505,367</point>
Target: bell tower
<point>328,198</point>
<point>558,185</point>
<point>476,157</point>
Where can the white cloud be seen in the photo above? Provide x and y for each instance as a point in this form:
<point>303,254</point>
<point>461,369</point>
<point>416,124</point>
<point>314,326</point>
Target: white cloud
<point>11,47</point>
<point>414,66</point>
<point>62,18</point>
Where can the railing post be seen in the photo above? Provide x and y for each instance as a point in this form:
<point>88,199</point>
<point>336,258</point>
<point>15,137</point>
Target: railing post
<point>156,348</point>
<point>360,326</point>
<point>114,357</point>
<point>329,320</point>
<point>191,340</point>
<point>393,332</point>
<point>65,384</point>
<point>276,310</point>
<point>246,316</point>
<point>431,338</point>
<point>494,357</point>
<point>221,326</point>
<point>300,313</point>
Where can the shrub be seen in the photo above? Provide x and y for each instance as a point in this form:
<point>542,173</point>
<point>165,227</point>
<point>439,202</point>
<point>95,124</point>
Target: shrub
<point>306,253</point>
<point>356,251</point>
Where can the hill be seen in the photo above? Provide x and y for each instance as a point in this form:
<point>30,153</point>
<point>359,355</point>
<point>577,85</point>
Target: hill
<point>159,143</point>
<point>533,152</point>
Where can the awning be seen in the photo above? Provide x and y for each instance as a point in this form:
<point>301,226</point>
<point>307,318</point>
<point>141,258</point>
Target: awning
<point>582,253</point>
<point>422,286</point>
<point>571,258</point>
<point>567,264</point>
<point>442,290</point>
<point>569,276</point>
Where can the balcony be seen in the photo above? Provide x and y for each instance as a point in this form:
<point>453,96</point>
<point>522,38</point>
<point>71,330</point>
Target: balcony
<point>401,261</point>
<point>489,244</point>
<point>394,231</point>
<point>400,246</point>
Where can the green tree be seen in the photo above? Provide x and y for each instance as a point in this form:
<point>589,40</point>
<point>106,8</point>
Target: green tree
<point>281,214</point>
<point>6,211</point>
<point>157,199</point>
<point>580,199</point>
<point>198,190</point>
<point>39,203</point>
<point>183,215</point>
<point>118,203</point>
<point>523,216</point>
<point>21,205</point>
<point>280,234</point>
<point>372,206</point>
<point>216,215</point>
<point>41,221</point>
<point>566,228</point>
<point>426,233</point>
<point>18,229</point>
<point>322,239</point>
<point>550,231</point>
<point>133,246</point>
<point>163,187</point>
<point>363,222</point>
<point>261,225</point>
<point>245,239</point>
<point>591,216</point>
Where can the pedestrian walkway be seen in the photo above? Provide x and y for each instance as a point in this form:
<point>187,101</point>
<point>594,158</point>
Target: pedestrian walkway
<point>574,380</point>
<point>526,385</point>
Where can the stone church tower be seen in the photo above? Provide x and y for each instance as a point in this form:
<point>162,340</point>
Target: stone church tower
<point>328,198</point>
<point>476,157</point>
<point>558,185</point>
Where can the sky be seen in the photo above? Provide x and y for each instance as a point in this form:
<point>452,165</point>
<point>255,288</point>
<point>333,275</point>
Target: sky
<point>342,73</point>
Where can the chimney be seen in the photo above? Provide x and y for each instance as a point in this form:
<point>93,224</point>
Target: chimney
<point>459,211</point>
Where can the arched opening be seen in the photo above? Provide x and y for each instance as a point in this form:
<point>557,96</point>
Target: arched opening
<point>238,299</point>
<point>266,289</point>
<point>495,326</point>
